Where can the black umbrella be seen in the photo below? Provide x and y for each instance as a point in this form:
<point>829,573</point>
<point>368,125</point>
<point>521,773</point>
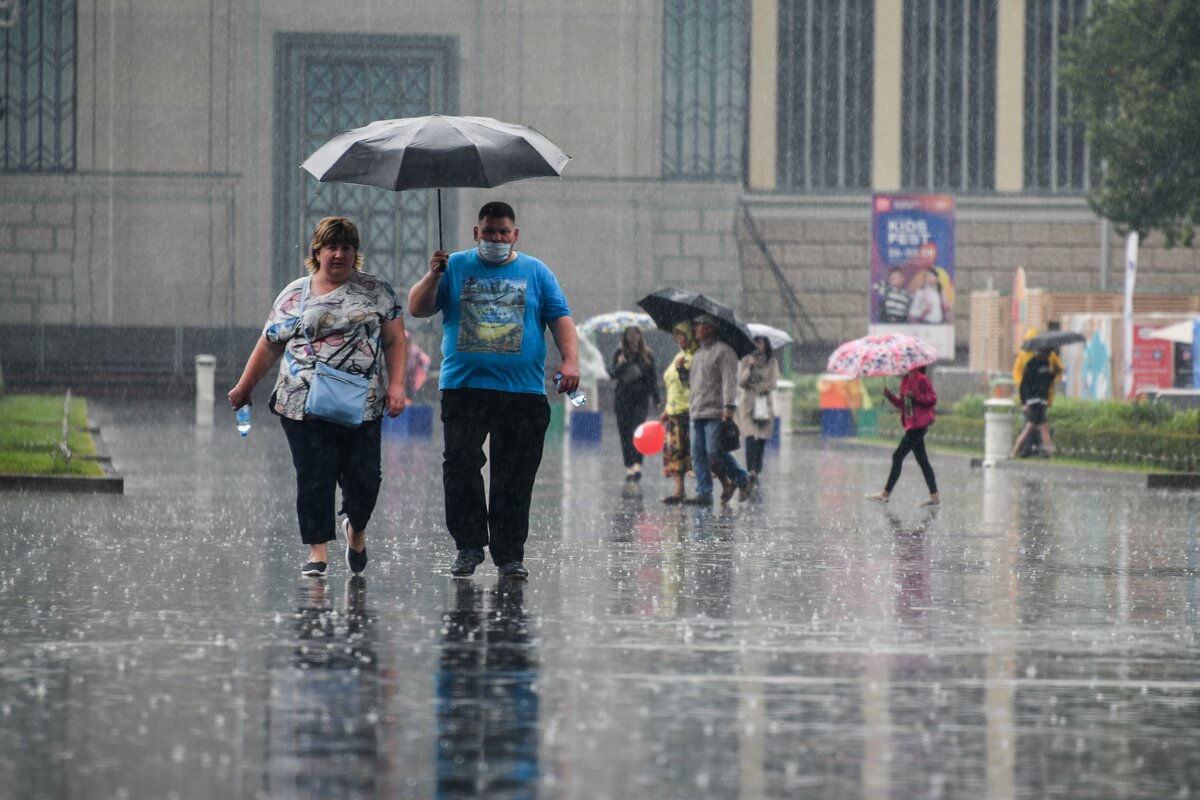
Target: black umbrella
<point>1051,340</point>
<point>435,152</point>
<point>670,306</point>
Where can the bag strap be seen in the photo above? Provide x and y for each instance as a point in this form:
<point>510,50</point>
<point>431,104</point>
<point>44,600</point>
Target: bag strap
<point>313,350</point>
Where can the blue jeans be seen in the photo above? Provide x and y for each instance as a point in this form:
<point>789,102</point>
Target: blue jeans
<point>707,455</point>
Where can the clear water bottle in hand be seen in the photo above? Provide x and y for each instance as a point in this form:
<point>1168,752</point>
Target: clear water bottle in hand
<point>243,420</point>
<point>577,397</point>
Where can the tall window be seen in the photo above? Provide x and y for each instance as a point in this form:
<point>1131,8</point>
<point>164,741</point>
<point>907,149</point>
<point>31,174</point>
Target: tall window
<point>826,69</point>
<point>37,86</point>
<point>1056,155</point>
<point>948,139</point>
<point>704,88</point>
<point>325,85</point>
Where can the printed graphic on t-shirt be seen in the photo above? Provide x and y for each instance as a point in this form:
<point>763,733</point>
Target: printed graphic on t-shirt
<point>493,315</point>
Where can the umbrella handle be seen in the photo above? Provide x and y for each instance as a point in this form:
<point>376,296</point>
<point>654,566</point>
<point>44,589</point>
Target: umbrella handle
<point>440,244</point>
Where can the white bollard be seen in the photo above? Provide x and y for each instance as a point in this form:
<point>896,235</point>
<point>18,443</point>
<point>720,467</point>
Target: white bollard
<point>997,430</point>
<point>206,368</point>
<point>782,397</point>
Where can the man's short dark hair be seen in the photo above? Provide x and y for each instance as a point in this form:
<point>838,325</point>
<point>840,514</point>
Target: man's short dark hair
<point>497,209</point>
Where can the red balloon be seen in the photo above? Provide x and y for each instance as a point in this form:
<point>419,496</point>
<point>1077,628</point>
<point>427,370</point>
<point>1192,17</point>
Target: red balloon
<point>648,438</point>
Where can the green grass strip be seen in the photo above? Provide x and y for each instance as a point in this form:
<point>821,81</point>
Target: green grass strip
<point>31,429</point>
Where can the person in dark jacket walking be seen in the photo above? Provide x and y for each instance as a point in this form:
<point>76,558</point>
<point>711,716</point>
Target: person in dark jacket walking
<point>1037,382</point>
<point>635,381</point>
<point>916,401</point>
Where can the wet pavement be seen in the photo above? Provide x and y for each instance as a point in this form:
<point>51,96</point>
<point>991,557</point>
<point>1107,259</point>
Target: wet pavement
<point>1034,638</point>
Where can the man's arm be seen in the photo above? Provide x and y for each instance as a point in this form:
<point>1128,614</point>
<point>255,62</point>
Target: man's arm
<point>729,367</point>
<point>422,297</point>
<point>565,338</point>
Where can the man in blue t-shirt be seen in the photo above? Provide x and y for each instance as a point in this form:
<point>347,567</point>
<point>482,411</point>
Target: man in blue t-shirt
<point>496,304</point>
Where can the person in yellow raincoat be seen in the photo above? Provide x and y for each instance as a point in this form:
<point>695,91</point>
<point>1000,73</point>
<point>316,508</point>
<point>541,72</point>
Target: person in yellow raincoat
<point>677,448</point>
<point>1031,446</point>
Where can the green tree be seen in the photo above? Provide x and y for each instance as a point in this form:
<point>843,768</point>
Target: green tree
<point>1135,71</point>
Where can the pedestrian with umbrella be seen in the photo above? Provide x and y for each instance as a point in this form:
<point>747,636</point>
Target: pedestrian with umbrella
<point>1037,383</point>
<point>495,303</point>
<point>897,354</point>
<point>758,375</point>
<point>713,401</point>
<point>635,385</point>
<point>1031,446</point>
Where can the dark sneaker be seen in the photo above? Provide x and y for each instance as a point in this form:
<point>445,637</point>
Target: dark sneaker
<point>314,569</point>
<point>356,560</point>
<point>468,559</point>
<point>744,492</point>
<point>727,491</point>
<point>698,500</point>
<point>514,570</point>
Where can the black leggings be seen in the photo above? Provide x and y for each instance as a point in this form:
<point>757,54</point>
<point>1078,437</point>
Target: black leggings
<point>631,412</point>
<point>914,442</point>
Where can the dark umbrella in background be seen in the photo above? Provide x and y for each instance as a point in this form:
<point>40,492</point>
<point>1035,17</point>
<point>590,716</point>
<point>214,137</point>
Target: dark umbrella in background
<point>670,306</point>
<point>436,152</point>
<point>1051,340</point>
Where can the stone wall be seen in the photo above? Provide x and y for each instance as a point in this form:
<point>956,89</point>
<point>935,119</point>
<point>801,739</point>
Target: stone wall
<point>822,247</point>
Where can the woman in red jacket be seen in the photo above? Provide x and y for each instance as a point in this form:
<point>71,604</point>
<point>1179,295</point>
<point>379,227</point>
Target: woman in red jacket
<point>916,402</point>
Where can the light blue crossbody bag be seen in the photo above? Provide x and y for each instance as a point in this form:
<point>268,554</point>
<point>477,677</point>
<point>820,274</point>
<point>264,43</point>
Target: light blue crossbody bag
<point>334,395</point>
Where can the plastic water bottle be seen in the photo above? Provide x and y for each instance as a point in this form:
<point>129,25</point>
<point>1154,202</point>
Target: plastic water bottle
<point>243,420</point>
<point>577,397</point>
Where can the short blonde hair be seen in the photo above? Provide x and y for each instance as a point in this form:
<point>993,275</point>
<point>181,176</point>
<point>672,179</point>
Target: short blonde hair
<point>331,231</point>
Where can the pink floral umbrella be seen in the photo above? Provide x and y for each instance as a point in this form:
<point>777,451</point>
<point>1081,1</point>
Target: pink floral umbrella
<point>884,354</point>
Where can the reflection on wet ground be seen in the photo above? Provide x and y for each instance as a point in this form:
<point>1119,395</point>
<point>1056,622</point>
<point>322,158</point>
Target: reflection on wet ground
<point>1035,637</point>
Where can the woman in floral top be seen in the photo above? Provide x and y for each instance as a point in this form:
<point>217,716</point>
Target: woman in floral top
<point>354,323</point>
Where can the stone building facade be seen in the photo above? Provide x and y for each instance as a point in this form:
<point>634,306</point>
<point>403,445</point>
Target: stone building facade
<point>152,204</point>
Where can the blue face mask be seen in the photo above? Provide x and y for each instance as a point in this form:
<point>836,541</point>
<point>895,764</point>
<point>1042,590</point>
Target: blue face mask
<point>494,252</point>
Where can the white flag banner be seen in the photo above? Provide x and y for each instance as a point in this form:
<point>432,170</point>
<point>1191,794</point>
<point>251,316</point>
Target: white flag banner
<point>1131,254</point>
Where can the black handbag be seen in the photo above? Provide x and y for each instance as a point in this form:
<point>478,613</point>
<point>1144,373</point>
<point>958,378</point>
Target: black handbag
<point>728,435</point>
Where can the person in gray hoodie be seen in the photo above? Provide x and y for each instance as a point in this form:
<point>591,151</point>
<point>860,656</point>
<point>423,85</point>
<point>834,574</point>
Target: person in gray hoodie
<point>713,399</point>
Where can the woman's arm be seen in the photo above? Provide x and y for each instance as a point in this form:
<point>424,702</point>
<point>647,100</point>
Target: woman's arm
<point>923,392</point>
<point>652,379</point>
<point>395,355</point>
<point>261,359</point>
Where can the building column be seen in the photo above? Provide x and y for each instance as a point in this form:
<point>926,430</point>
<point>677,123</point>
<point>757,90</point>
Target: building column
<point>764,54</point>
<point>1010,96</point>
<point>887,114</point>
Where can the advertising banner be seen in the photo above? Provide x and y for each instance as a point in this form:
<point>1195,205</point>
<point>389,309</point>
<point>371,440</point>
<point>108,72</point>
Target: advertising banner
<point>1153,360</point>
<point>912,268</point>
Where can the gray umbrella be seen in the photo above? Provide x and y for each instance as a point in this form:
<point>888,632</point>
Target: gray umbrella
<point>436,152</point>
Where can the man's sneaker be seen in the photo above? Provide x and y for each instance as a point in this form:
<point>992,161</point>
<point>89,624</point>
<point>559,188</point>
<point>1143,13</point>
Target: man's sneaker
<point>727,491</point>
<point>514,570</point>
<point>878,497</point>
<point>468,559</point>
<point>744,492</point>
<point>314,569</point>
<point>355,560</point>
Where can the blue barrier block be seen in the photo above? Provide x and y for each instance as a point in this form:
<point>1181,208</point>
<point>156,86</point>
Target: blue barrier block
<point>415,421</point>
<point>586,426</point>
<point>836,423</point>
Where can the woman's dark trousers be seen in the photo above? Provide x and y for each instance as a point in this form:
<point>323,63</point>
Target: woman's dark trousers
<point>754,453</point>
<point>914,442</point>
<point>326,456</point>
<point>517,426</point>
<point>631,412</point>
